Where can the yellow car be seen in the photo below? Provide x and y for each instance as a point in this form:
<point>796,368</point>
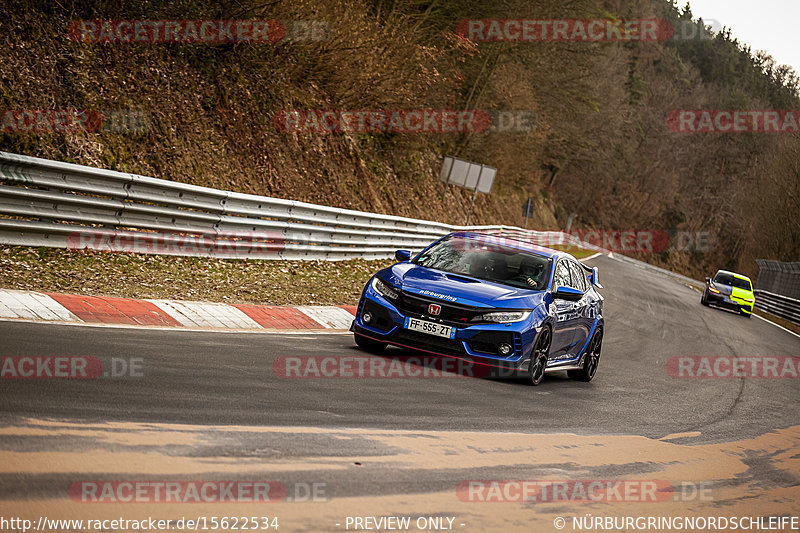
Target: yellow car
<point>731,291</point>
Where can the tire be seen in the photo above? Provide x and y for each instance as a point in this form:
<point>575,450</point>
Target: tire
<point>368,344</point>
<point>539,356</point>
<point>591,359</point>
<point>703,300</point>
<point>748,315</point>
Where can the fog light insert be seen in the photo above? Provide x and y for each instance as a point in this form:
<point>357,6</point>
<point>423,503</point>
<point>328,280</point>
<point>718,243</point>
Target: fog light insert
<point>367,317</point>
<point>505,349</point>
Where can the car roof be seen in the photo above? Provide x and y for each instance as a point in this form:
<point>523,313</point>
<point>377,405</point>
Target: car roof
<point>512,241</point>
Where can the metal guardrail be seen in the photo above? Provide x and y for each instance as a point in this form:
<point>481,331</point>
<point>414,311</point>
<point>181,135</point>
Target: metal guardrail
<point>778,305</point>
<point>778,277</point>
<point>62,205</point>
<point>55,204</point>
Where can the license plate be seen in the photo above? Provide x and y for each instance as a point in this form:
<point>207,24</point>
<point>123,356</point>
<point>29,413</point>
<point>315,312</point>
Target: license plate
<point>431,328</point>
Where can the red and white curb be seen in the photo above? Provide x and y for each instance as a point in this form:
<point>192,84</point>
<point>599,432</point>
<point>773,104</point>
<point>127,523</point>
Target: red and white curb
<point>28,305</point>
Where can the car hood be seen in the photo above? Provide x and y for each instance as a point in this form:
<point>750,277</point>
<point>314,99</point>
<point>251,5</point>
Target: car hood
<point>460,289</point>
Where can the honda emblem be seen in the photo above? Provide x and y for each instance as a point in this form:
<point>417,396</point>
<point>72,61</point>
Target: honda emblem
<point>434,309</point>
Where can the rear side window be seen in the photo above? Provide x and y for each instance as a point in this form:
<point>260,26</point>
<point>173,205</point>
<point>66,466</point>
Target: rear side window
<point>578,277</point>
<point>562,277</point>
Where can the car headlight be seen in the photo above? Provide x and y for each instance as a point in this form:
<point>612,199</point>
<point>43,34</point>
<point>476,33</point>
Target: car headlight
<point>712,289</point>
<point>748,300</point>
<point>383,289</point>
<point>503,316</point>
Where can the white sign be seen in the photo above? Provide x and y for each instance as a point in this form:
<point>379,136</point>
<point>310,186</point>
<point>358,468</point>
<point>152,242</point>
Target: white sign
<point>471,176</point>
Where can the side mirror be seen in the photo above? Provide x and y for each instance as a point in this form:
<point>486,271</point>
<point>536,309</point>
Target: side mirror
<point>708,281</point>
<point>567,293</point>
<point>402,255</point>
<point>594,278</point>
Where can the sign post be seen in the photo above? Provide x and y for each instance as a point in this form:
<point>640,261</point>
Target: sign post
<point>527,211</point>
<point>471,176</point>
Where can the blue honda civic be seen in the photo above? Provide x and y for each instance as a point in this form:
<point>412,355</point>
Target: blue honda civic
<point>491,300</point>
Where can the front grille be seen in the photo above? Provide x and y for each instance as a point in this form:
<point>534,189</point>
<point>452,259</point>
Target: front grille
<point>415,339</point>
<point>456,315</point>
<point>728,305</point>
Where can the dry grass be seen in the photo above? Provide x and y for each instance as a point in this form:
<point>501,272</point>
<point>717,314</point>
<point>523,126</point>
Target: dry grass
<point>134,275</point>
<point>185,278</point>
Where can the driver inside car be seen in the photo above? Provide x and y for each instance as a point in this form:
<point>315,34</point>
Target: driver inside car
<point>530,273</point>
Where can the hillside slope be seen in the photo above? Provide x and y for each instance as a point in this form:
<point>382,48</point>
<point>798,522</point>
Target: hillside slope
<point>600,147</point>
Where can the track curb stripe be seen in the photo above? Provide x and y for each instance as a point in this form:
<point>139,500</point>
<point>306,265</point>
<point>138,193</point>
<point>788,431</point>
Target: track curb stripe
<point>33,306</point>
<point>329,317</point>
<point>207,315</point>
<point>111,310</point>
<point>276,317</point>
<point>29,305</point>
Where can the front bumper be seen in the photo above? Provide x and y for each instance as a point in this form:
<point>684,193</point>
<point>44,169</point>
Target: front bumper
<point>476,343</point>
<point>728,302</point>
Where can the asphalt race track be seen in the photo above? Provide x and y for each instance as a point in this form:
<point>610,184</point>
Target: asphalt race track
<point>209,405</point>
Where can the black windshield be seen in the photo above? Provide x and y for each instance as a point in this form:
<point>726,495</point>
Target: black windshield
<point>489,261</point>
<point>724,278</point>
